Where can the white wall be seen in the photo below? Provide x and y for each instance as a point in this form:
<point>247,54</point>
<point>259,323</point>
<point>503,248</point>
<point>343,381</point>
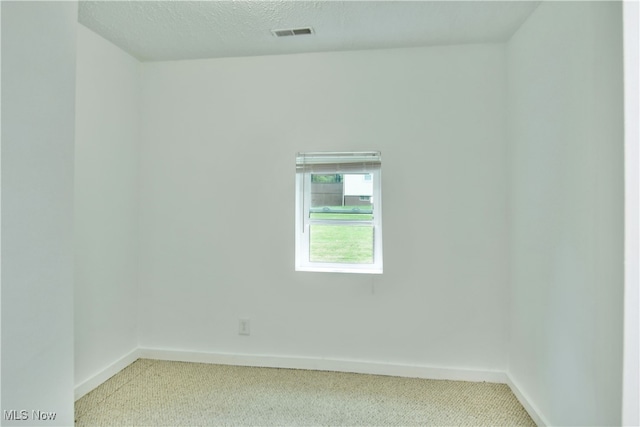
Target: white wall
<point>38,96</point>
<point>106,208</point>
<point>566,154</point>
<point>219,139</point>
<point>631,367</point>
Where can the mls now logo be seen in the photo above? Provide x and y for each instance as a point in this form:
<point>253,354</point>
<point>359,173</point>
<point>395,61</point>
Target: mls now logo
<point>16,415</point>
<point>23,415</point>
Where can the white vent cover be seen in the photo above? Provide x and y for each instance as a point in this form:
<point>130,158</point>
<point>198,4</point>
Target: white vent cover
<point>292,32</point>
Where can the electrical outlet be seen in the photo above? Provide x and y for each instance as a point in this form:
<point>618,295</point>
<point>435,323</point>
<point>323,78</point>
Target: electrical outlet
<point>244,327</point>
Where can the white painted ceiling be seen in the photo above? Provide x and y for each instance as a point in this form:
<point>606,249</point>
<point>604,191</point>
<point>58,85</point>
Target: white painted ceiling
<point>173,30</point>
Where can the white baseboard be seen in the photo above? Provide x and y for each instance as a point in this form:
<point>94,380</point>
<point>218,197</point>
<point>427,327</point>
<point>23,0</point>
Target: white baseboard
<point>526,402</point>
<point>325,364</point>
<point>93,382</point>
<point>317,364</point>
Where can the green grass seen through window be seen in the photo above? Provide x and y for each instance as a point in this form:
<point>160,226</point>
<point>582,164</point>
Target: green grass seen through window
<point>353,213</point>
<point>341,243</point>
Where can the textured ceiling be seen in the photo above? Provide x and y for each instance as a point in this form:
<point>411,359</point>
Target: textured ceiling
<point>171,30</point>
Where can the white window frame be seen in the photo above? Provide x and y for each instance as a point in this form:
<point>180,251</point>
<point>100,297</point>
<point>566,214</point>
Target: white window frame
<point>336,163</point>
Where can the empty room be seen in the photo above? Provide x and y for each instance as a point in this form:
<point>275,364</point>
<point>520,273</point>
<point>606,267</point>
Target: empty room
<point>319,194</point>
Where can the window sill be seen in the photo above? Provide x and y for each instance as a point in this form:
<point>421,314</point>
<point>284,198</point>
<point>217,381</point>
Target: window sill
<point>332,269</point>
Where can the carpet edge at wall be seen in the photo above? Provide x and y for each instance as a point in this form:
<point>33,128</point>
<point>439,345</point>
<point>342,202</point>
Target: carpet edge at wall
<point>319,364</point>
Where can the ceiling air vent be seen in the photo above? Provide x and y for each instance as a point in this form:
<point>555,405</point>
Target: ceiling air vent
<point>292,32</point>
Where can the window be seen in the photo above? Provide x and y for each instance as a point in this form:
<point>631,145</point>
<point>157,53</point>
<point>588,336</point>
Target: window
<point>339,212</point>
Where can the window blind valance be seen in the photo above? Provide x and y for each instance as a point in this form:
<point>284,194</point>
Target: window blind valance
<point>335,162</point>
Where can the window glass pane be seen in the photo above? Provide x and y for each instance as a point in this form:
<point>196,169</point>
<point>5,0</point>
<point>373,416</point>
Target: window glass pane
<point>341,196</point>
<point>341,243</point>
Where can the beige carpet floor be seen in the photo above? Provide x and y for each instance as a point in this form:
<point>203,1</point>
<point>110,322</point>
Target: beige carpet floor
<point>160,393</point>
